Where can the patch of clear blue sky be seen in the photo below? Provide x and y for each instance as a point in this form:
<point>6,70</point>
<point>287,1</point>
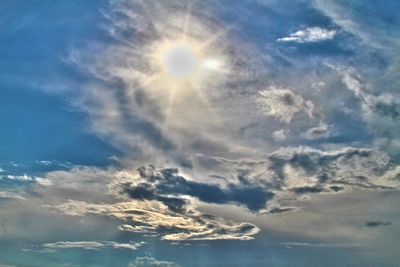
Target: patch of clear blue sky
<point>36,126</point>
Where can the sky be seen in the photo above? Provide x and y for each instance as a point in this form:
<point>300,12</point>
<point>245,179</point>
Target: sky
<point>200,133</point>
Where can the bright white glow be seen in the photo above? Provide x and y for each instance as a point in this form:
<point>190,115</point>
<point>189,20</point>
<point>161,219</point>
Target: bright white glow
<point>180,61</point>
<point>212,64</point>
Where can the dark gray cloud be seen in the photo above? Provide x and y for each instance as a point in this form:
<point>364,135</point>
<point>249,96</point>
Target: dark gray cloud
<point>169,182</point>
<point>307,189</point>
<point>377,223</point>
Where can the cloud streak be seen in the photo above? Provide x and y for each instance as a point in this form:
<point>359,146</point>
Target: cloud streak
<point>92,245</point>
<point>309,35</point>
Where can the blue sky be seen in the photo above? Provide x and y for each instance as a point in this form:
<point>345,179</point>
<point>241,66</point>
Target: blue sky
<point>271,140</point>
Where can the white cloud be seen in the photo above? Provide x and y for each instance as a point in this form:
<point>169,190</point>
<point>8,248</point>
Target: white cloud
<point>150,261</point>
<point>283,104</point>
<point>92,245</point>
<point>309,35</point>
<point>10,195</point>
<point>279,135</point>
<point>191,225</point>
<point>319,132</point>
<point>20,177</point>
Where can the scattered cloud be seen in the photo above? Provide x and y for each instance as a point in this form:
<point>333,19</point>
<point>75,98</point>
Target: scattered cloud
<point>208,144</point>
<point>283,104</point>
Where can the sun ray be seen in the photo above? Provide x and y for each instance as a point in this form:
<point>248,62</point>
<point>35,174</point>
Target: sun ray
<point>168,110</point>
<point>215,37</point>
<point>186,22</point>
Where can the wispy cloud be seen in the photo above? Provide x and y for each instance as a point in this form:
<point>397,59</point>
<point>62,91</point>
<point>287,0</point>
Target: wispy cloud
<point>150,261</point>
<point>319,132</point>
<point>309,35</point>
<point>191,225</point>
<point>306,244</point>
<point>92,245</point>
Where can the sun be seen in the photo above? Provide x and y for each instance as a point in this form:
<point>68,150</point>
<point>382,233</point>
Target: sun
<point>180,61</point>
<point>182,68</point>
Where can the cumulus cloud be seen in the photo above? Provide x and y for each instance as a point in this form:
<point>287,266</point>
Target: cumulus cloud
<point>283,104</point>
<point>92,245</point>
<point>309,35</point>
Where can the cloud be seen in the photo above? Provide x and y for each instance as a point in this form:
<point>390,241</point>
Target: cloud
<point>306,170</point>
<point>380,111</point>
<point>309,35</point>
<point>12,195</point>
<point>376,29</point>
<point>306,244</point>
<point>273,210</point>
<point>319,132</point>
<point>156,217</point>
<point>377,223</point>
<point>279,135</point>
<point>92,245</point>
<point>150,261</point>
<point>147,201</point>
<point>24,178</point>
<point>168,182</point>
<point>283,104</point>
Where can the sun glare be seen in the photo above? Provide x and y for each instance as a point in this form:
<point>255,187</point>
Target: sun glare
<point>180,61</point>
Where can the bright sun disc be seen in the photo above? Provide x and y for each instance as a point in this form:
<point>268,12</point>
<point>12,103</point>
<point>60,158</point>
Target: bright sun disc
<point>180,61</point>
